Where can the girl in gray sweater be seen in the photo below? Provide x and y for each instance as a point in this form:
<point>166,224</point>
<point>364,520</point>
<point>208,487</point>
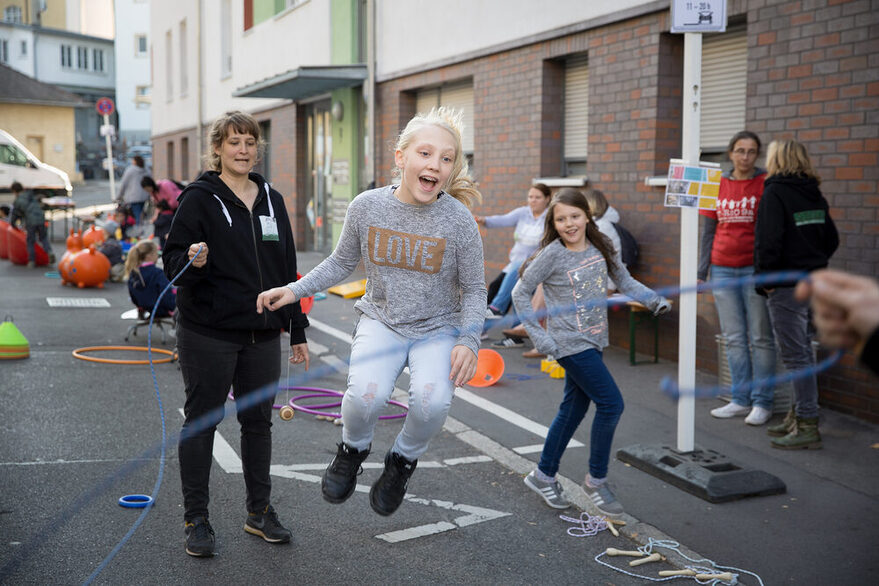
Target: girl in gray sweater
<point>425,298</point>
<point>573,263</point>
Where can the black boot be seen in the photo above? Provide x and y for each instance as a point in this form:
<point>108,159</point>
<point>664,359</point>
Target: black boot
<point>340,477</point>
<point>388,491</point>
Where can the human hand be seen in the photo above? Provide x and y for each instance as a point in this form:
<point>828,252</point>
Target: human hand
<point>663,307</point>
<point>463,365</point>
<point>299,354</point>
<point>845,307</point>
<point>479,220</point>
<point>202,258</point>
<point>274,298</point>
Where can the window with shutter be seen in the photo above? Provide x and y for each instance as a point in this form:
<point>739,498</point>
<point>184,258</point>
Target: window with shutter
<point>576,116</point>
<point>724,87</point>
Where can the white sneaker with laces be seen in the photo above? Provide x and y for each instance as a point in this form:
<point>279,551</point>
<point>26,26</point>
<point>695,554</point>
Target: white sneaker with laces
<point>758,416</point>
<point>730,410</point>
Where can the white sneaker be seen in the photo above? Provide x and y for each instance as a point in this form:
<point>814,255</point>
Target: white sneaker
<point>730,410</point>
<point>758,416</point>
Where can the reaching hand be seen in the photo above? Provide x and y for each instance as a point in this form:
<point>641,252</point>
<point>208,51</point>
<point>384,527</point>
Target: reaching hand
<point>463,365</point>
<point>845,307</point>
<point>274,299</point>
<point>202,258</point>
<point>299,354</point>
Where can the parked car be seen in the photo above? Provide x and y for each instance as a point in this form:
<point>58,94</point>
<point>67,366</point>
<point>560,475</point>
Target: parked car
<point>19,164</point>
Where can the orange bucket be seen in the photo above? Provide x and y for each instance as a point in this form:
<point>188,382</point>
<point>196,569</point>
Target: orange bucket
<point>489,368</point>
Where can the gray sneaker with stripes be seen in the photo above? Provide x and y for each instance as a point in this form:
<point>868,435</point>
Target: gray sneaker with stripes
<point>551,492</point>
<point>603,499</point>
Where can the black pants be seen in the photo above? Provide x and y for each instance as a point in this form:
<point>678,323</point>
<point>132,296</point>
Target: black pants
<point>210,367</point>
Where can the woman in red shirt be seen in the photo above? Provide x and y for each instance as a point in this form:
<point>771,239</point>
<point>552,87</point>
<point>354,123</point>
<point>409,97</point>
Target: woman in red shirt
<point>728,251</point>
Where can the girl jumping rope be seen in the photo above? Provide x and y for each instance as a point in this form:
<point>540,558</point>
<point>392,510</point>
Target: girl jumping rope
<point>424,303</point>
<point>573,263</point>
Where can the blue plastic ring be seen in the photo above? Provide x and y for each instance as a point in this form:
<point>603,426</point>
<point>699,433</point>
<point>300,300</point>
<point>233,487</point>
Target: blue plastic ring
<point>135,501</point>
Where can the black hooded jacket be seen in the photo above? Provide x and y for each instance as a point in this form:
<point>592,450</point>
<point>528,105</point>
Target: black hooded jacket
<point>219,299</point>
<point>794,230</point>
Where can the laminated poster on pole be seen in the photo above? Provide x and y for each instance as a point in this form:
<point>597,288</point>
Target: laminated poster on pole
<point>692,186</point>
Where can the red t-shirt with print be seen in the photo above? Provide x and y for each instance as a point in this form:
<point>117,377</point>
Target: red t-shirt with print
<point>736,216</point>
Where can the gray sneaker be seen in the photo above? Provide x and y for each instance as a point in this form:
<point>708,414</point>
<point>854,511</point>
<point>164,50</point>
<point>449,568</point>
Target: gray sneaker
<point>551,492</point>
<point>604,499</point>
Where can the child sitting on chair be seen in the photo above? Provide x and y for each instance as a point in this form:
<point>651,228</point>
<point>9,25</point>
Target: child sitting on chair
<point>146,281</point>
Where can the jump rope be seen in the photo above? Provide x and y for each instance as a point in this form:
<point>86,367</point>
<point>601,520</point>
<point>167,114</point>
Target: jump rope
<point>253,398</point>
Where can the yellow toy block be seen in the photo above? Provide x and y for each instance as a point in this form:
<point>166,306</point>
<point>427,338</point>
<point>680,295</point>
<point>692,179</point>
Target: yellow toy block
<point>552,368</point>
<point>349,290</point>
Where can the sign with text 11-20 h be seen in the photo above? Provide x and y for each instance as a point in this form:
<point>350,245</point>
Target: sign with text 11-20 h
<point>692,187</point>
<point>698,16</point>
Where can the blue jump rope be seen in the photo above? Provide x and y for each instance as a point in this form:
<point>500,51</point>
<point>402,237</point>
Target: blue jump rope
<point>146,501</point>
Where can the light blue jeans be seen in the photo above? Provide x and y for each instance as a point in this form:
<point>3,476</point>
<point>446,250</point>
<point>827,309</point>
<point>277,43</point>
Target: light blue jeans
<point>504,296</point>
<point>378,355</point>
<point>750,350</point>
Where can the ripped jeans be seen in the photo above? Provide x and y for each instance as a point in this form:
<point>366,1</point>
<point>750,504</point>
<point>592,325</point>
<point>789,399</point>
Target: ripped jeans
<point>378,355</point>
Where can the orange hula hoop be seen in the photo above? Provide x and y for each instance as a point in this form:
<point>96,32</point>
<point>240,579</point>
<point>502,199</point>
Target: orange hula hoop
<point>79,353</point>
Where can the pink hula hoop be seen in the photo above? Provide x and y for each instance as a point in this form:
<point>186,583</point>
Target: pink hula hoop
<point>321,392</point>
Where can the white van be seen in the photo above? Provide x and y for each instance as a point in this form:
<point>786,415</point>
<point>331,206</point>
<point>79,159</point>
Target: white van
<point>19,164</point>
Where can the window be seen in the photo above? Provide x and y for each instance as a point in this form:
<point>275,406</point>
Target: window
<point>724,85</point>
<point>142,97</point>
<point>12,14</point>
<point>82,58</point>
<point>184,157</point>
<point>140,46</point>
<point>66,59</point>
<point>170,158</point>
<point>576,115</point>
<point>184,70</point>
<point>10,155</point>
<point>169,71</point>
<point>24,48</point>
<point>98,59</point>
<point>458,96</point>
<point>4,51</point>
<point>226,39</point>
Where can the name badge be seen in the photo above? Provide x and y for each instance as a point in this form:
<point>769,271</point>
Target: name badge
<point>269,228</point>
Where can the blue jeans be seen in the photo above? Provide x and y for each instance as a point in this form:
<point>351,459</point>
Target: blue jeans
<point>790,322</point>
<point>744,320</point>
<point>378,355</point>
<point>586,379</point>
<point>504,296</point>
<point>136,208</point>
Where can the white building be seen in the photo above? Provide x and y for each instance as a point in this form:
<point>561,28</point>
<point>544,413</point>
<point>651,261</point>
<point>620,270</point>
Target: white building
<point>133,70</point>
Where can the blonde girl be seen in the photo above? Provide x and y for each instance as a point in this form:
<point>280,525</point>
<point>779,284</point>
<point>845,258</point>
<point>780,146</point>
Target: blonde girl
<point>146,281</point>
<point>424,303</point>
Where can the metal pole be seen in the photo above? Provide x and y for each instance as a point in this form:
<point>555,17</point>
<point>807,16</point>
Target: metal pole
<point>689,243</point>
<point>370,92</point>
<point>110,166</point>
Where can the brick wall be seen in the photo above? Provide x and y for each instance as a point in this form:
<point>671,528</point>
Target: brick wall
<point>813,74</point>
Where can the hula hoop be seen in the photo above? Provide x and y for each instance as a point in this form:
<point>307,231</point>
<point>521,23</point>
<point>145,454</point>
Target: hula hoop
<point>313,409</point>
<point>79,353</point>
<point>135,501</point>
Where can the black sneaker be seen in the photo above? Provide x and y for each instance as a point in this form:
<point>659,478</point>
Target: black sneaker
<point>267,526</point>
<point>388,491</point>
<point>199,538</point>
<point>340,478</point>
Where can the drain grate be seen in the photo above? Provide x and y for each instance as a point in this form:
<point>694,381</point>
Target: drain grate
<point>77,302</point>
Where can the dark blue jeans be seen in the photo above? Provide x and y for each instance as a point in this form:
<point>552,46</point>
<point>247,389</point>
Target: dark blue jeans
<point>586,380</point>
<point>210,367</point>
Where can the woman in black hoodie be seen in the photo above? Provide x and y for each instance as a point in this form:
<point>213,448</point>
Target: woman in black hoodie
<point>794,232</point>
<point>235,227</point>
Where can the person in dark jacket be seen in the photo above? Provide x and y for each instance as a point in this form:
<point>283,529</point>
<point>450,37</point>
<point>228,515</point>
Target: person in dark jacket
<point>235,229</point>
<point>794,232</point>
<point>146,281</point>
<point>28,207</point>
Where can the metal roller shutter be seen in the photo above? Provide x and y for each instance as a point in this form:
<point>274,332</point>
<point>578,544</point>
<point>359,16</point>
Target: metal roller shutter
<point>576,108</point>
<point>459,96</point>
<point>724,86</point>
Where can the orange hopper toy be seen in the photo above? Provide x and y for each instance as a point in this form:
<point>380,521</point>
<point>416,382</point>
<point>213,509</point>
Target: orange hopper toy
<point>4,247</point>
<point>88,268</point>
<point>74,245</point>
<point>17,245</point>
<point>93,235</point>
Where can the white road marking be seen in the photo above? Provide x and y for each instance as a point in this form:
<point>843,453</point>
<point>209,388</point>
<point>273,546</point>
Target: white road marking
<point>532,449</point>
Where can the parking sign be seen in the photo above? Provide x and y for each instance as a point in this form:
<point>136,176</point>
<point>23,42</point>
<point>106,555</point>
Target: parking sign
<point>105,106</point>
<point>698,16</point>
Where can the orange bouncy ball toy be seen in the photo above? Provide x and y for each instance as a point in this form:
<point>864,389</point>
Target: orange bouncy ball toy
<point>88,268</point>
<point>489,368</point>
<point>74,245</point>
<point>93,235</point>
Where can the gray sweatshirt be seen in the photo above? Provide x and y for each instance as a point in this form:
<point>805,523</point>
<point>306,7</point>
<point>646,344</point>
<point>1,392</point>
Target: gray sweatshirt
<point>424,265</point>
<point>575,288</point>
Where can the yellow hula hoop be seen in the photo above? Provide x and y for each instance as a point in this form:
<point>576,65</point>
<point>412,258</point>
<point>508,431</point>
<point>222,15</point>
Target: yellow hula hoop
<point>79,353</point>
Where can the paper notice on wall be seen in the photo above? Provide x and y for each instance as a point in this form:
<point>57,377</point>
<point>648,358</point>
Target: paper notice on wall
<point>692,187</point>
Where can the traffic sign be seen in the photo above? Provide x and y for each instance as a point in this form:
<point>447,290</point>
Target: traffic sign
<point>105,106</point>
